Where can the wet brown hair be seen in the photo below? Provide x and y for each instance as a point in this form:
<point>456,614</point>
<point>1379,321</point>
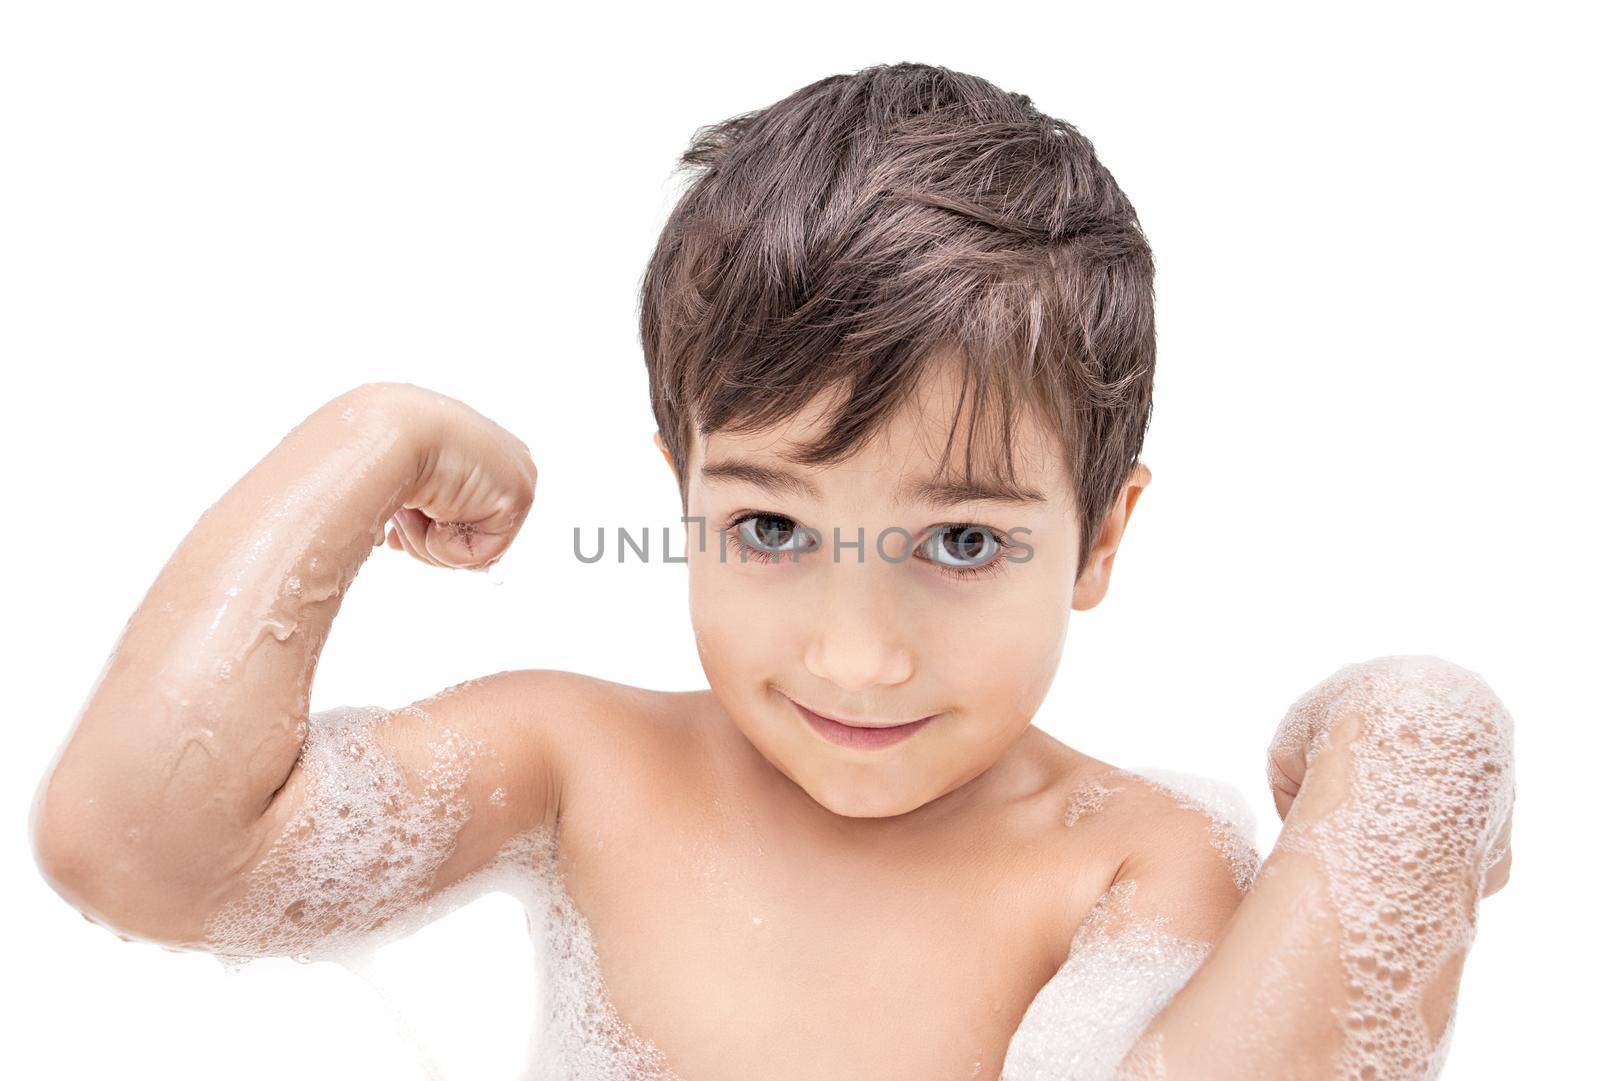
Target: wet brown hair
<point>843,236</point>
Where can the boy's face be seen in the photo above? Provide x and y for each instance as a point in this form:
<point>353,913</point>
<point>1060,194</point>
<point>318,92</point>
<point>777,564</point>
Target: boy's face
<point>940,628</point>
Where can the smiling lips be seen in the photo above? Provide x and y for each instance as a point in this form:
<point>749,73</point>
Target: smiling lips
<point>853,735</point>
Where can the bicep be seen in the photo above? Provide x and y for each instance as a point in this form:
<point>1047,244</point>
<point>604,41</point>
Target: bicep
<point>1144,939</point>
<point>387,808</point>
<point>1188,881</point>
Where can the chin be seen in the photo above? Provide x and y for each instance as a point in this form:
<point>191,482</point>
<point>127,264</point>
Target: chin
<point>853,801</point>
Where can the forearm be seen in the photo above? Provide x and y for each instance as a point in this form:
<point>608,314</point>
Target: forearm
<point>1269,999</point>
<point>198,716</point>
<point>1346,954</point>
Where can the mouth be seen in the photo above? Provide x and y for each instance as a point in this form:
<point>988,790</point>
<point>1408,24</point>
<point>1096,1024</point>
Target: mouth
<point>860,734</point>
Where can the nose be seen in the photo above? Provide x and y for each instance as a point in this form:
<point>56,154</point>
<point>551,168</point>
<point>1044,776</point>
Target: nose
<point>855,640</point>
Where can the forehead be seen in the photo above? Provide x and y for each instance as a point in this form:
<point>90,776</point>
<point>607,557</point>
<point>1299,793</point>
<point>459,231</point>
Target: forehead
<point>921,452</point>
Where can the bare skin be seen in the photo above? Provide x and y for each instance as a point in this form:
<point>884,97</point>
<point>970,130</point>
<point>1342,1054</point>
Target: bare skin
<point>759,904</point>
<point>746,931</point>
<point>1279,978</point>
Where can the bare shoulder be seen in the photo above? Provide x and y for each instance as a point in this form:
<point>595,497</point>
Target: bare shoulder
<point>513,749</point>
<point>1186,843</point>
<point>1190,844</point>
<point>573,727</point>
<point>610,748</point>
<point>454,778</point>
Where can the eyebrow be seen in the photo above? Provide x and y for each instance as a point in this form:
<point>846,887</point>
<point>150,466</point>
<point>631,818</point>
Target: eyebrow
<point>939,493</point>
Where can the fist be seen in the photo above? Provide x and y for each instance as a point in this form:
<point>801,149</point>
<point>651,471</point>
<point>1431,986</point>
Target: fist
<point>474,488</point>
<point>1422,717</point>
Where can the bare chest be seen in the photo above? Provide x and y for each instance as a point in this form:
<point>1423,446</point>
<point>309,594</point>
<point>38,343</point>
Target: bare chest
<point>735,953</point>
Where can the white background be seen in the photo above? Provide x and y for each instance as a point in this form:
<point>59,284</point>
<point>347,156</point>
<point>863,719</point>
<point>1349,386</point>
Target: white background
<point>1375,235</point>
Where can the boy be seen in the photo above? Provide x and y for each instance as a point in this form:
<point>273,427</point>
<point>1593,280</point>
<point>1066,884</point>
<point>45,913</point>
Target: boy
<point>852,855</point>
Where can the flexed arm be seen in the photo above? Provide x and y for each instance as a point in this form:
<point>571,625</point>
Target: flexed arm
<point>1343,960</point>
<point>1343,957</point>
<point>182,772</point>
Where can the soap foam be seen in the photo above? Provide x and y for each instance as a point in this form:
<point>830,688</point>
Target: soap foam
<point>1431,788</point>
<point>579,1033</point>
<point>1120,971</point>
<point>582,1037</point>
<point>362,849</point>
<point>1086,799</point>
<point>351,870</point>
<point>1144,1062</point>
<point>1233,826</point>
<point>1406,851</point>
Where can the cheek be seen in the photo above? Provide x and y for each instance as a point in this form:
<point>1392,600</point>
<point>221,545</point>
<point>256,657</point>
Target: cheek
<point>991,646</point>
<point>1007,649</point>
<point>735,632</point>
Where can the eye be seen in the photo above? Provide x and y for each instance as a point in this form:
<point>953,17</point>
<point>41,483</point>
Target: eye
<point>964,549</point>
<point>765,537</point>
<point>961,550</point>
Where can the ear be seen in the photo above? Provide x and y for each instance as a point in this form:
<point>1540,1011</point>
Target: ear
<point>1090,589</point>
<point>665,453</point>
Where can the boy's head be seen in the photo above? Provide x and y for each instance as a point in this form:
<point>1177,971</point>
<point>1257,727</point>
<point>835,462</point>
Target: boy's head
<point>881,274</point>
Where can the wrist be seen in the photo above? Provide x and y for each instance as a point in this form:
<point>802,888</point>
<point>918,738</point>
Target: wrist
<point>1414,752</point>
<point>407,417</point>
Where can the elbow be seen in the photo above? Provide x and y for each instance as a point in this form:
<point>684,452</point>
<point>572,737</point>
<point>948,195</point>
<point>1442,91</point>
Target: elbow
<point>92,867</point>
<point>63,841</point>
